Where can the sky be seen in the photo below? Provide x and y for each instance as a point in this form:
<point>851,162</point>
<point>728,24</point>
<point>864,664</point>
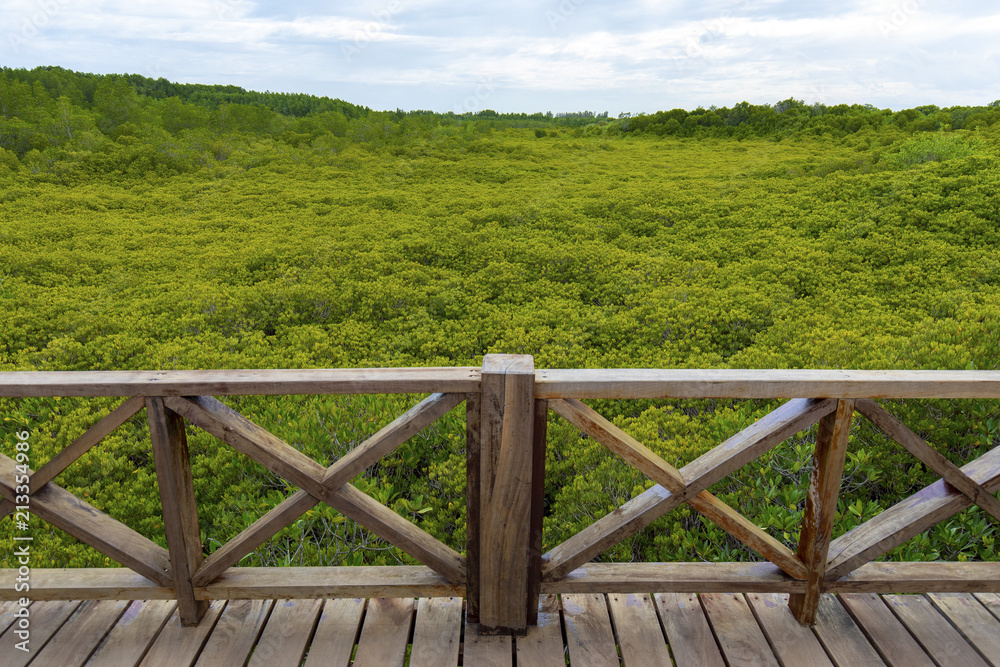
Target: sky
<point>519,56</point>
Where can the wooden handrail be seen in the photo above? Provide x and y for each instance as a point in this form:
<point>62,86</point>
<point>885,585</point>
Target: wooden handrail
<point>507,407</point>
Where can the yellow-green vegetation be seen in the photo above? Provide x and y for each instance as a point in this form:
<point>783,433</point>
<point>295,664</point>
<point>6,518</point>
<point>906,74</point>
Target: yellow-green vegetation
<point>150,227</point>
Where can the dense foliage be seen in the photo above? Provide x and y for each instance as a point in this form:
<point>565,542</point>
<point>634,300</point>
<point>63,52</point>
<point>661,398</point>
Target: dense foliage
<point>149,225</point>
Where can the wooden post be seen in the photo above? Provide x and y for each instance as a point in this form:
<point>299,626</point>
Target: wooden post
<point>505,466</point>
<point>821,506</point>
<point>537,508</point>
<point>473,436</point>
<point>180,512</point>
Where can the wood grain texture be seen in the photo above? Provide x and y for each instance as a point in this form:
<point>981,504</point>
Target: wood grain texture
<point>46,619</point>
<point>179,646</point>
<point>336,633</point>
<point>590,638</point>
<point>473,466</point>
<point>821,507</point>
<point>933,631</point>
<point>240,382</point>
<point>843,640</point>
<point>973,620</point>
<point>991,601</point>
<point>637,627</point>
<point>792,643</point>
<point>486,650</point>
<point>689,635</point>
<point>542,646</point>
<point>286,636</point>
<point>385,633</point>
<point>735,629</point>
<point>81,634</point>
<point>726,383</point>
<point>180,510</point>
<point>890,638</point>
<point>437,632</point>
<point>730,455</point>
<point>537,511</point>
<point>235,634</point>
<point>134,633</point>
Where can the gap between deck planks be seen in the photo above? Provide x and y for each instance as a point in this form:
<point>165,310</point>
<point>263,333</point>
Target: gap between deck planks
<point>587,629</point>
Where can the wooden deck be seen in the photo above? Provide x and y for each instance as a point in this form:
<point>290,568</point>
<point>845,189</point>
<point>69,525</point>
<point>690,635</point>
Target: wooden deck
<point>576,629</point>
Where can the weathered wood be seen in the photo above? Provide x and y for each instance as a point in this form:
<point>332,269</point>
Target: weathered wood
<point>909,517</point>
<point>749,534</point>
<point>235,633</point>
<point>285,638</point>
<point>267,382</point>
<point>793,644</point>
<point>821,507</point>
<point>437,632</point>
<point>726,383</point>
<point>887,635</point>
<point>385,632</point>
<point>688,634</point>
<point>735,629</point>
<point>88,524</point>
<point>82,445</point>
<point>542,646</point>
<point>180,645</point>
<point>843,640</point>
<point>76,640</point>
<point>7,610</point>
<point>180,510</point>
<point>740,449</point>
<point>46,619</point>
<point>473,436</point>
<point>991,601</point>
<point>486,650</point>
<point>936,635</point>
<point>929,456</point>
<point>505,492</point>
<point>589,635</point>
<point>536,523</point>
<point>973,620</point>
<point>919,577</point>
<point>336,633</point>
<point>630,450</point>
<point>675,578</point>
<point>133,634</point>
<point>637,627</point>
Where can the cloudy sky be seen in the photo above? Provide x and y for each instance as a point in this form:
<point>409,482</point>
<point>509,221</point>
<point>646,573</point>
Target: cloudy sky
<point>548,55</point>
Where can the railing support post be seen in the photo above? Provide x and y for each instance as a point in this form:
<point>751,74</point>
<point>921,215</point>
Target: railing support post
<point>505,490</point>
<point>180,513</point>
<point>821,506</point>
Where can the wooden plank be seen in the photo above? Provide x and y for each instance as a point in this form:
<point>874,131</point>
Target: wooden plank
<point>736,631</point>
<point>7,610</point>
<point>179,646</point>
<point>505,492</point>
<point>844,642</point>
<point>821,507</point>
<point>88,524</point>
<point>385,633</point>
<point>235,634</point>
<point>134,633</point>
<point>45,620</point>
<point>930,457</point>
<point>933,631</point>
<point>589,635</point>
<point>473,437</point>
<point>973,620</point>
<point>792,643</point>
<point>630,450</point>
<point>688,634</point>
<point>675,578</point>
<point>180,509</point>
<point>749,534</point>
<point>991,601</point>
<point>537,518</point>
<point>542,646</point>
<point>737,383</point>
<point>486,650</point>
<point>286,636</point>
<point>740,449</point>
<point>908,518</point>
<point>437,632</point>
<point>240,382</point>
<point>82,445</point>
<point>336,633</point>
<point>889,637</point>
<point>638,630</point>
<point>76,640</point>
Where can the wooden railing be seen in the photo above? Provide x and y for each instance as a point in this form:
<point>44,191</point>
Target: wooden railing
<point>504,569</point>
